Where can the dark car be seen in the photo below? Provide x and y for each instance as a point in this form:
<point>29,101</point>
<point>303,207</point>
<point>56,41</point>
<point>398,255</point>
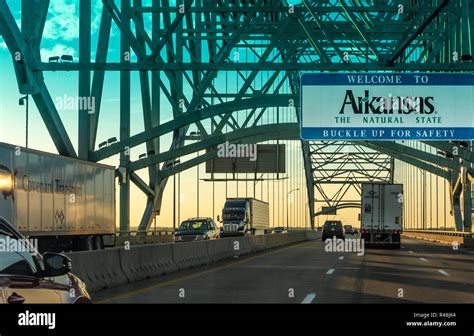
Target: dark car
<point>197,229</point>
<point>348,229</point>
<point>29,277</point>
<point>333,228</point>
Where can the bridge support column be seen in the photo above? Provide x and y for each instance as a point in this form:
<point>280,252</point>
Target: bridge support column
<point>124,211</point>
<point>125,124</point>
<point>467,206</point>
<point>456,190</point>
<point>309,181</point>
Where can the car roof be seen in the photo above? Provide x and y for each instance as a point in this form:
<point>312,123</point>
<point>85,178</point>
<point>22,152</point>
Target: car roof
<point>9,229</point>
<point>198,219</point>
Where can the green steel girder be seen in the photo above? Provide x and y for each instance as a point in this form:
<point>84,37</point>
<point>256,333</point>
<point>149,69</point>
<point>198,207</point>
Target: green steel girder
<point>142,185</point>
<point>289,129</point>
<point>178,136</point>
<point>84,135</point>
<point>29,81</point>
<point>284,135</point>
<point>408,159</point>
<point>417,154</point>
<point>405,42</point>
<point>99,76</point>
<point>452,148</point>
<point>361,31</point>
<point>338,207</point>
<point>408,42</point>
<point>190,118</point>
<point>265,66</point>
<point>309,180</point>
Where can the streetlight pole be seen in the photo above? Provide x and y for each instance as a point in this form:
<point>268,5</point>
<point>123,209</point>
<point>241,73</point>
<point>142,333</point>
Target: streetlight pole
<point>288,207</point>
<point>174,202</point>
<point>21,102</point>
<point>176,161</point>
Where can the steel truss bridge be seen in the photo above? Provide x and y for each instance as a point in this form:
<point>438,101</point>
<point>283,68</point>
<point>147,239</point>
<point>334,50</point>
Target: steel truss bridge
<point>184,51</point>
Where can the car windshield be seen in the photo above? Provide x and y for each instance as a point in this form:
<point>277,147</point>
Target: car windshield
<point>331,224</point>
<point>15,256</point>
<point>233,215</point>
<point>235,204</point>
<point>193,225</point>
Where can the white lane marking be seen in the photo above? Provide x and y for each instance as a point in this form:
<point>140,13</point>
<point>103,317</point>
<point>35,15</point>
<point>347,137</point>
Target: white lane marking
<point>410,251</point>
<point>331,271</point>
<point>443,272</point>
<point>341,257</point>
<point>423,259</point>
<point>316,268</point>
<point>471,252</point>
<point>309,298</point>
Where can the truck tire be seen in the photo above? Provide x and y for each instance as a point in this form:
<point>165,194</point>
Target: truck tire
<point>98,243</point>
<point>85,243</point>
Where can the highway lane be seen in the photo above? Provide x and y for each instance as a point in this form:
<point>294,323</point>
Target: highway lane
<point>304,273</point>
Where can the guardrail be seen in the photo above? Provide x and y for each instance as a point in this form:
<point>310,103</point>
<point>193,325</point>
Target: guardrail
<point>444,233</point>
<point>448,237</point>
<point>101,269</point>
<point>157,232</point>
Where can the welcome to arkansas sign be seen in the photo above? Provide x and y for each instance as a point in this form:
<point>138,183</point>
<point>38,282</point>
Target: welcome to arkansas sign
<point>387,106</point>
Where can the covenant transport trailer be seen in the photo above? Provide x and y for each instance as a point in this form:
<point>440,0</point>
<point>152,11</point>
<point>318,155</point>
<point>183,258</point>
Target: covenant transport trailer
<point>67,204</point>
<point>381,218</point>
<point>244,216</point>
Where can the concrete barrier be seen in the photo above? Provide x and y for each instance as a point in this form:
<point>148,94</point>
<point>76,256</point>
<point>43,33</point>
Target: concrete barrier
<point>98,269</point>
<point>192,254</point>
<point>312,235</point>
<point>240,245</point>
<point>219,249</point>
<point>259,243</point>
<point>142,239</point>
<point>468,242</point>
<point>147,261</point>
<point>280,239</point>
<point>117,266</point>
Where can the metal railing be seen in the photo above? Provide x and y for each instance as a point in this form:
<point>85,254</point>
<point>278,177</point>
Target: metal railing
<point>159,231</point>
<point>444,233</point>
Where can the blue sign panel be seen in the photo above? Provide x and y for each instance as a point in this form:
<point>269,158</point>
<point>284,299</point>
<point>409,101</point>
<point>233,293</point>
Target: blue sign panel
<point>387,106</point>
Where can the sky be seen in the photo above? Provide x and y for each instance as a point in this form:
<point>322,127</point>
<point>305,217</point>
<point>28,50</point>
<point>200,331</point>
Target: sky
<point>61,38</point>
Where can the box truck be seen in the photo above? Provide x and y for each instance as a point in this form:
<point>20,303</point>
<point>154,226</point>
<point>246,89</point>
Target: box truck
<point>244,216</point>
<point>382,214</point>
<point>66,204</point>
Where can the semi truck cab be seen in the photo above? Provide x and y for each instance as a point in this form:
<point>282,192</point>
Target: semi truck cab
<point>244,216</point>
<point>235,218</point>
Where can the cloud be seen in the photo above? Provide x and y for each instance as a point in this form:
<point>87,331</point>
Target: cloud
<point>56,50</point>
<point>63,21</point>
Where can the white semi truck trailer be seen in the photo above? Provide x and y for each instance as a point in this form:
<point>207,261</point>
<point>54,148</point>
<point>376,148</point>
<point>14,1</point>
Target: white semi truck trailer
<point>66,204</point>
<point>382,214</point>
<point>245,216</point>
